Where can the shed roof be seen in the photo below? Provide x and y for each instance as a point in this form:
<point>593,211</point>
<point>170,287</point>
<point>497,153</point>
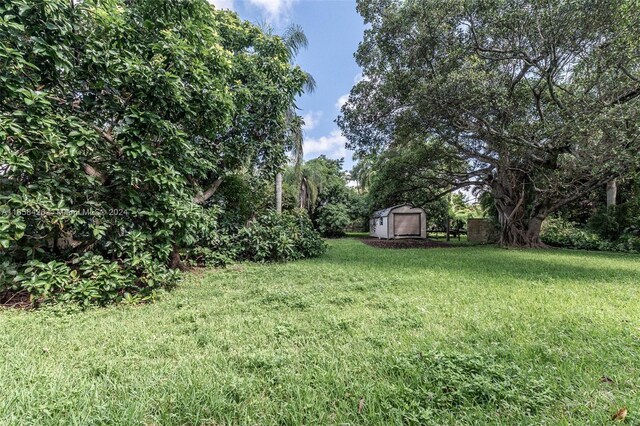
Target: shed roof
<point>385,212</point>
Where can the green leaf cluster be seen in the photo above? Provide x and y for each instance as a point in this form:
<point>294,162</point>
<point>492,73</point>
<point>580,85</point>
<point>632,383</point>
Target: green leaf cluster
<point>116,120</point>
<point>280,237</point>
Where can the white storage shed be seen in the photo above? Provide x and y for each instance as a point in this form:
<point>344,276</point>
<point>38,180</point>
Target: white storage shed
<point>402,221</point>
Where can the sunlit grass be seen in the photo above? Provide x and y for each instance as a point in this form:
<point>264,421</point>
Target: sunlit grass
<point>467,335</point>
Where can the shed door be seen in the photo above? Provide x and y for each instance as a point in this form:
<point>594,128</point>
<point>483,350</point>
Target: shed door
<point>405,224</point>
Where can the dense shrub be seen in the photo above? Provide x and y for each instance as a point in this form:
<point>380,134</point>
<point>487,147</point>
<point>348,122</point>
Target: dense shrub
<point>614,222</point>
<point>88,280</point>
<point>558,232</point>
<point>332,219</point>
<point>279,237</point>
<point>119,120</point>
<point>205,256</point>
<point>605,222</point>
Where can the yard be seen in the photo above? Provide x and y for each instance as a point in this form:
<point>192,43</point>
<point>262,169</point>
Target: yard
<point>362,335</point>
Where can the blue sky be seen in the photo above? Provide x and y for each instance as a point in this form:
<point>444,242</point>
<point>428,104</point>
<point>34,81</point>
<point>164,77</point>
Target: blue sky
<point>334,30</point>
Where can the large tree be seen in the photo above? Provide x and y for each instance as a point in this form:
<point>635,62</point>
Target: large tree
<point>538,100</point>
<point>295,40</point>
<point>120,119</point>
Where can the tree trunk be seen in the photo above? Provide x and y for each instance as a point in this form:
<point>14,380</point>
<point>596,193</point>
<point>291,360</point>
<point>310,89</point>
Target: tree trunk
<point>520,231</point>
<point>208,193</point>
<point>448,228</point>
<point>175,262</point>
<point>279,193</point>
<point>519,213</point>
<point>302,195</point>
<point>612,191</point>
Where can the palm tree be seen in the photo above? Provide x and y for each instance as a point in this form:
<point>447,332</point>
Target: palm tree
<point>311,182</point>
<point>308,182</point>
<point>363,172</point>
<point>295,40</point>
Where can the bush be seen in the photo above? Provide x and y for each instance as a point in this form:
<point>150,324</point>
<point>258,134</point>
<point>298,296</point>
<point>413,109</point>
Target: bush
<point>108,160</point>
<point>627,243</point>
<point>88,280</point>
<point>614,222</point>
<point>332,219</point>
<point>606,223</point>
<point>279,237</point>
<point>558,232</point>
<point>205,256</point>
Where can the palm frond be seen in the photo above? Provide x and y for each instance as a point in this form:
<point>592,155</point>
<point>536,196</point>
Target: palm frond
<point>309,83</point>
<point>295,39</point>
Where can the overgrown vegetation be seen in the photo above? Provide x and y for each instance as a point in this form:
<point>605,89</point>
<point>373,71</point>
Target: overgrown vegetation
<point>120,121</point>
<point>279,237</point>
<point>320,187</point>
<point>559,232</point>
<point>591,224</point>
<point>453,336</point>
<point>535,103</point>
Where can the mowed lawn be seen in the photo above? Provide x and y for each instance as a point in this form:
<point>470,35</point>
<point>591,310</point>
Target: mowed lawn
<point>465,335</point>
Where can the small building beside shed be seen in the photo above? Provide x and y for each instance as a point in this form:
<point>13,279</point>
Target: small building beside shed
<point>401,221</point>
<point>481,231</point>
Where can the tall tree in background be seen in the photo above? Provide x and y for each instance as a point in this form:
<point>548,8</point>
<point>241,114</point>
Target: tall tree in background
<point>537,100</point>
<point>294,39</point>
<point>364,171</point>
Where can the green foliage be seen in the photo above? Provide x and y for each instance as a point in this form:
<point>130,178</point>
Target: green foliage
<point>537,123</point>
<point>328,179</point>
<point>460,211</point>
<point>279,237</point>
<point>359,211</point>
<point>117,118</point>
<point>89,280</point>
<point>613,222</point>
<point>332,219</point>
<point>606,223</point>
<point>240,197</point>
<point>558,232</point>
<point>205,256</point>
<point>323,191</point>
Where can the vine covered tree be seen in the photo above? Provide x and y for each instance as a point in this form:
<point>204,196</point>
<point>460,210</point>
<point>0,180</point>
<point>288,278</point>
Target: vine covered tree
<point>536,101</point>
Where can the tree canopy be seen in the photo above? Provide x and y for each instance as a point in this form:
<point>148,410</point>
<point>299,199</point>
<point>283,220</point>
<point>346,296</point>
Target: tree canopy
<point>121,119</point>
<point>535,102</point>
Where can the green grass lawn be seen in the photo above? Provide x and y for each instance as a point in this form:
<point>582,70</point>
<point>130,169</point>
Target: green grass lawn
<point>465,335</point>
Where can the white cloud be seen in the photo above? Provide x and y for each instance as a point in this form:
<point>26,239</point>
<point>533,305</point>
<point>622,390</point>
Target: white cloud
<point>360,77</point>
<point>311,120</point>
<point>332,146</point>
<point>222,4</point>
<point>275,10</point>
<point>342,100</point>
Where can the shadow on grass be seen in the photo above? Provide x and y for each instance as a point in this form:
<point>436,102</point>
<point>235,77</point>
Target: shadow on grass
<point>491,262</point>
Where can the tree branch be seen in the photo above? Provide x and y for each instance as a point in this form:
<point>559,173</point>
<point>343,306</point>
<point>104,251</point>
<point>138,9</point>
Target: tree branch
<point>91,171</point>
<point>208,193</point>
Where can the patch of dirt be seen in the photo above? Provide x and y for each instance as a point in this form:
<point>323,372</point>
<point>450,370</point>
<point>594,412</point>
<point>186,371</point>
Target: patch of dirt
<point>404,244</point>
<point>18,300</point>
